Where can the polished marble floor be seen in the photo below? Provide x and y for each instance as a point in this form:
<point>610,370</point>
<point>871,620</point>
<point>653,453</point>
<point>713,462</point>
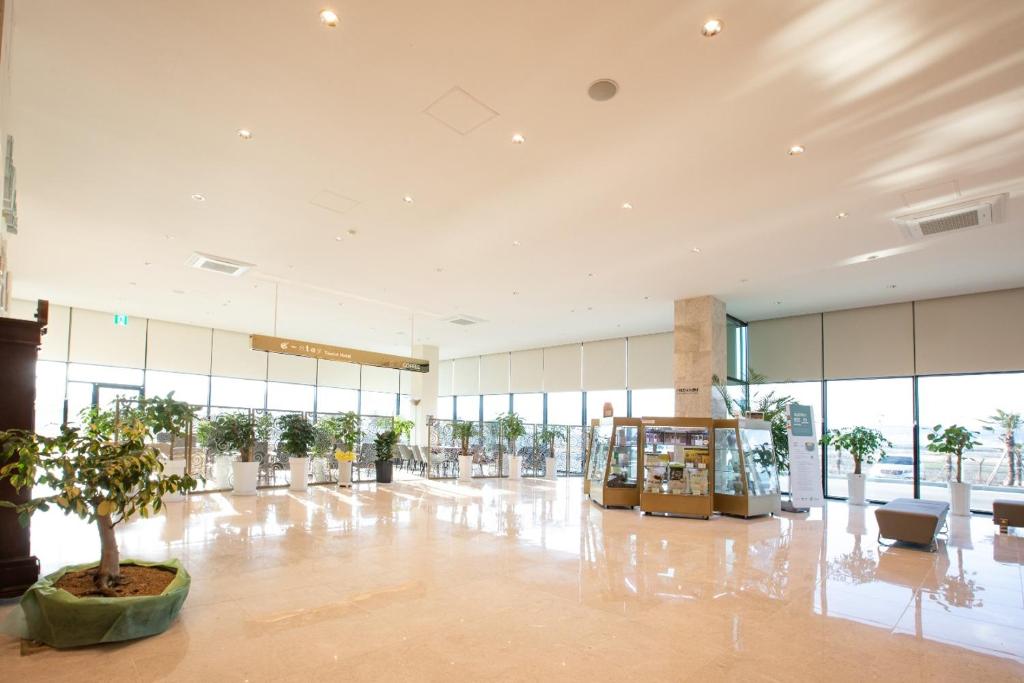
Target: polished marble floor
<point>522,581</point>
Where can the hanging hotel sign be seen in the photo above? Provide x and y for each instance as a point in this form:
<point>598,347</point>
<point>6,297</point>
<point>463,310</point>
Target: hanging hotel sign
<point>292,347</point>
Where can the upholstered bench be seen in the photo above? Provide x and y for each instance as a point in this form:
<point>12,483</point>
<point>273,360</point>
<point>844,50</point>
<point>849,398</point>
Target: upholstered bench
<point>911,521</point>
<point>1010,510</point>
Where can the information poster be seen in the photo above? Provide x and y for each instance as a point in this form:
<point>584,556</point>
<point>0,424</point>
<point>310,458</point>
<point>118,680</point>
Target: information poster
<point>804,458</point>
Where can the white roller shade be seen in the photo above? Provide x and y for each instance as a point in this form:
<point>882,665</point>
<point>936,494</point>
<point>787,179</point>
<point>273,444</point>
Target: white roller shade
<point>869,342</point>
<point>95,339</point>
<point>444,378</point>
<point>650,361</point>
<point>293,369</point>
<point>178,348</point>
<point>972,333</point>
<point>526,371</point>
<point>494,373</point>
<point>405,381</point>
<point>233,357</point>
<point>604,365</point>
<point>55,341</point>
<point>786,349</point>
<point>380,379</point>
<point>331,373</point>
<point>466,376</point>
<point>562,368</point>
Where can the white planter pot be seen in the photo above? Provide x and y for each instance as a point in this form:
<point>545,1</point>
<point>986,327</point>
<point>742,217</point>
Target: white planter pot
<point>516,467</point>
<point>549,468</point>
<point>465,467</point>
<point>245,475</point>
<point>345,474</point>
<point>174,467</point>
<point>319,469</point>
<point>299,479</point>
<point>960,498</point>
<point>855,486</point>
<point>222,471</point>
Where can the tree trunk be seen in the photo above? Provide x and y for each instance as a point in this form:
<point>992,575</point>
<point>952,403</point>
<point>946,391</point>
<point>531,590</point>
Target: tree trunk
<point>959,467</point>
<point>1009,448</point>
<point>109,572</point>
<point>856,463</point>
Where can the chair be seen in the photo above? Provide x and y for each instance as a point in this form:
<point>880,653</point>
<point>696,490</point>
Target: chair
<point>422,459</point>
<point>405,455</point>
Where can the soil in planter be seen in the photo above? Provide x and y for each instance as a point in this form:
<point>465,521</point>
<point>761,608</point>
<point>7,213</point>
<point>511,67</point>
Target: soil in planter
<point>136,581</point>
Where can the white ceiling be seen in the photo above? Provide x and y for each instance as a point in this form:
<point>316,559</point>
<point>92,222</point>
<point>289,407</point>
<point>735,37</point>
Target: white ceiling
<point>123,109</point>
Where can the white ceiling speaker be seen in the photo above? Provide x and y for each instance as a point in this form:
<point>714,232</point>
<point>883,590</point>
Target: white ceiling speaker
<point>217,264</point>
<point>603,90</point>
<point>954,217</point>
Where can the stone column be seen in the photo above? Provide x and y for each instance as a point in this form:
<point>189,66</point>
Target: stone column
<point>424,390</point>
<point>700,352</point>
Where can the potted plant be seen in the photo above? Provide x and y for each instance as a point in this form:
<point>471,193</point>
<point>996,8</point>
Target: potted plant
<point>403,428</point>
<point>462,432</point>
<point>547,438</point>
<point>954,441</point>
<point>862,443</point>
<point>297,437</point>
<point>209,439</point>
<point>164,415</point>
<point>237,432</point>
<point>384,446</point>
<point>85,472</point>
<point>512,427</point>
<point>345,430</point>
<point>1008,424</point>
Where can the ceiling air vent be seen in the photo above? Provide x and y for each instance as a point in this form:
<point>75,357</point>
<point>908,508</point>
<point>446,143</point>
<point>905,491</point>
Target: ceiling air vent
<point>464,320</point>
<point>954,217</point>
<point>217,264</point>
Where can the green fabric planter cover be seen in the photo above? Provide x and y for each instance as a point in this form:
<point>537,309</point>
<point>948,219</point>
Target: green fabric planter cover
<point>59,619</point>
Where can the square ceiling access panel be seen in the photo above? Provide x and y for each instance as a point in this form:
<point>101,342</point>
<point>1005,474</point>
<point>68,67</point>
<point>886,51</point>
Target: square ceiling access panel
<point>332,201</point>
<point>460,111</point>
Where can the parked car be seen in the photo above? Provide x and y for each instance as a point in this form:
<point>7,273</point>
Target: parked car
<point>893,467</point>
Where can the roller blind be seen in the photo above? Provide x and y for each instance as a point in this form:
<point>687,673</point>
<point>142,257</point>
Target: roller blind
<point>604,365</point>
<point>650,361</point>
<point>444,378</point>
<point>232,357</point>
<point>179,348</point>
<point>526,372</point>
<point>466,376</point>
<point>380,379</point>
<point>293,369</point>
<point>562,368</point>
<point>55,341</point>
<point>494,374</point>
<point>786,349</point>
<point>96,339</point>
<point>869,342</point>
<point>331,373</point>
<point>971,333</point>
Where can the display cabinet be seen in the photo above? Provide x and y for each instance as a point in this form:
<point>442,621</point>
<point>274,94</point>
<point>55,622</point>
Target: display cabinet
<point>616,462</point>
<point>678,469</point>
<point>746,469</point>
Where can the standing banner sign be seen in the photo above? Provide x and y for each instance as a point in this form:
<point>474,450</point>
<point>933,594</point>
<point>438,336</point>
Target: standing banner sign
<point>804,458</point>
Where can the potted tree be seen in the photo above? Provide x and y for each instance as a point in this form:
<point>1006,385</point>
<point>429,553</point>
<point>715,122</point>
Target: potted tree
<point>462,432</point>
<point>237,432</point>
<point>548,438</point>
<point>209,438</point>
<point>954,441</point>
<point>297,437</point>
<point>403,428</point>
<point>89,474</point>
<point>862,443</point>
<point>1008,424</point>
<point>512,427</point>
<point>384,446</point>
<point>345,430</point>
<point>165,416</point>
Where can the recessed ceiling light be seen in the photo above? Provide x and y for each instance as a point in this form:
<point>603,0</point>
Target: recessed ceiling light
<point>178,291</point>
<point>351,231</point>
<point>590,275</point>
<point>407,199</point>
<point>132,283</point>
<point>872,257</point>
<point>328,18</point>
<point>337,238</point>
<point>439,270</point>
<point>516,293</point>
<point>198,197</point>
<point>778,302</point>
<point>891,287</point>
<point>796,150</point>
<point>711,28</point>
<point>168,237</point>
<point>627,205</point>
<point>518,138</point>
<point>743,279</point>
<point>695,250</point>
<point>646,298</point>
<point>515,243</point>
<point>148,263</point>
<point>603,90</point>
<point>245,134</point>
<point>590,308</point>
<point>841,215</point>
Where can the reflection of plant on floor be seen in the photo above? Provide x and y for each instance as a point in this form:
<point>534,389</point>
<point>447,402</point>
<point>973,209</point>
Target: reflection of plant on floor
<point>772,406</point>
<point>855,566</point>
<point>952,441</point>
<point>1008,424</point>
<point>958,590</point>
<point>861,442</point>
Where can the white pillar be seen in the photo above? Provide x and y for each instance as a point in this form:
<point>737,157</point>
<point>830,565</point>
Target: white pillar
<point>424,391</point>
<point>700,352</point>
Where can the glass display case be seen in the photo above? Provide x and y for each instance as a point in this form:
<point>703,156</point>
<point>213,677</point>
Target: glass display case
<point>746,470</point>
<point>615,463</point>
<point>678,467</point>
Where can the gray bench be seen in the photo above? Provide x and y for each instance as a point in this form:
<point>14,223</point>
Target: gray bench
<point>1012,511</point>
<point>911,521</point>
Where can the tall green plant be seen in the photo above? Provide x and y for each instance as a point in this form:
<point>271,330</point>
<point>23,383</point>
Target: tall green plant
<point>403,427</point>
<point>548,438</point>
<point>345,429</point>
<point>164,414</point>
<point>512,427</point>
<point>384,444</point>
<point>237,432</point>
<point>861,442</point>
<point>772,406</point>
<point>1008,424</point>
<point>91,477</point>
<point>462,432</point>
<point>297,434</point>
<point>952,441</point>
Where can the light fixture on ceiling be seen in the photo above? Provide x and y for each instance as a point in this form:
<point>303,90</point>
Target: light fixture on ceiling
<point>711,28</point>
<point>198,198</point>
<point>518,139</point>
<point>646,298</point>
<point>796,150</point>
<point>438,270</point>
<point>778,303</point>
<point>407,199</point>
<point>590,275</point>
<point>891,287</point>
<point>515,243</point>
<point>603,90</point>
<point>872,257</point>
<point>178,291</point>
<point>590,308</point>
<point>328,18</point>
<point>337,238</point>
<point>245,133</point>
<point>695,250</point>
<point>168,237</point>
<point>627,205</point>
<point>841,215</point>
<point>352,231</point>
<point>515,293</point>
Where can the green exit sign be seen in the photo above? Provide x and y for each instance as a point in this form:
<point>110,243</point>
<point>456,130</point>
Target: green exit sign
<point>121,320</point>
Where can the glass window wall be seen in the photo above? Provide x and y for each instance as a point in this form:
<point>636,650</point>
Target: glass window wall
<point>495,405</point>
<point>229,392</point>
<point>597,399</point>
<point>467,408</point>
<point>565,408</point>
<point>50,383</point>
<point>290,397</point>
<point>378,403</point>
<point>530,407</point>
<point>445,408</point>
<point>192,388</point>
<point>653,403</point>
<point>334,400</point>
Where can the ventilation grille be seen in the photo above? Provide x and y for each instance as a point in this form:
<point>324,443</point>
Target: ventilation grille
<point>217,264</point>
<point>464,320</point>
<point>958,221</point>
<point>953,218</point>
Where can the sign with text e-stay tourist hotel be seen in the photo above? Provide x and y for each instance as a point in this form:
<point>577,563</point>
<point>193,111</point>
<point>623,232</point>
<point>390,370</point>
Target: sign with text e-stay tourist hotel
<point>293,347</point>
